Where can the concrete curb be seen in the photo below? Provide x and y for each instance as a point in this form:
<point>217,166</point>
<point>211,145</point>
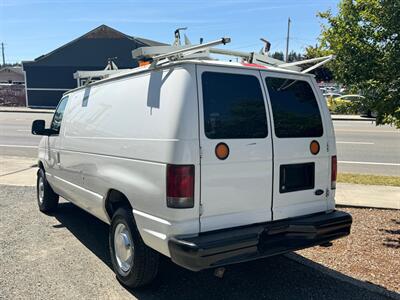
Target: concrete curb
<point>334,118</point>
<point>18,171</point>
<point>368,196</point>
<point>344,278</point>
<point>361,206</point>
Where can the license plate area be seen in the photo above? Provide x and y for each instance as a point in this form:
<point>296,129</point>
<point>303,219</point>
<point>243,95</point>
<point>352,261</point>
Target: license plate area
<point>296,177</point>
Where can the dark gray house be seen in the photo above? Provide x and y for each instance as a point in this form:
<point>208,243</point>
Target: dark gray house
<point>50,75</point>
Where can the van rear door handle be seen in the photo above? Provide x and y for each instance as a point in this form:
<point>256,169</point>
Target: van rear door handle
<point>319,192</point>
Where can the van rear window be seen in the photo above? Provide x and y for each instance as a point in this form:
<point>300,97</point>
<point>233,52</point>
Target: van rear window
<point>234,106</point>
<point>294,107</point>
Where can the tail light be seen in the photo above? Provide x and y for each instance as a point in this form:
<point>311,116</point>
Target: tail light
<point>333,172</point>
<point>180,186</point>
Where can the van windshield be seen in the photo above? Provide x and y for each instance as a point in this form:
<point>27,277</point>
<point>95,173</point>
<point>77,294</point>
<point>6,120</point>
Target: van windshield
<point>234,106</point>
<point>294,108</point>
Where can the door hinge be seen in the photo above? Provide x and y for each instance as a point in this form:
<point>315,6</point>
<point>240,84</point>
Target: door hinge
<point>201,209</point>
<point>201,152</point>
<point>327,147</point>
<point>327,193</point>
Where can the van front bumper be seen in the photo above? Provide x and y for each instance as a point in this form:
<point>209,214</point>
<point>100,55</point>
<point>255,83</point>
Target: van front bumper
<point>239,244</point>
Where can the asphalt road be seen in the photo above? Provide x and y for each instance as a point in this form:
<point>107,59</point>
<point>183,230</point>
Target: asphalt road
<point>65,256</point>
<point>15,133</point>
<point>362,147</point>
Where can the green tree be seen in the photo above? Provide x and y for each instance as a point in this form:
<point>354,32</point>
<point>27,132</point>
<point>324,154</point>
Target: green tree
<point>278,55</point>
<point>323,73</point>
<point>365,37</point>
<point>294,56</point>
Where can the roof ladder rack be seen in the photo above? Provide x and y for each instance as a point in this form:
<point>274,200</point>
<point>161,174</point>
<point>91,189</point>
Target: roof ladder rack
<point>322,60</point>
<point>158,55</point>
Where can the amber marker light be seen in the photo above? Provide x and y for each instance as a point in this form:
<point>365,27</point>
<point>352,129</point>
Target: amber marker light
<point>143,63</point>
<point>222,151</point>
<point>314,147</point>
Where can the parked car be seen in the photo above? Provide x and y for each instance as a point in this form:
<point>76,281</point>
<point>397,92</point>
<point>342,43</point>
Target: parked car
<point>350,97</point>
<point>357,103</point>
<point>208,163</point>
<point>332,95</point>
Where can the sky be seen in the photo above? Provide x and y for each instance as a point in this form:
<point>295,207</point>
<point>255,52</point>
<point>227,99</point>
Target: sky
<point>30,28</point>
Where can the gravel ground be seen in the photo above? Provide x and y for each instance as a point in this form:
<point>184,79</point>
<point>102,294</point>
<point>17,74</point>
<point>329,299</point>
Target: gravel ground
<point>65,256</point>
<point>371,253</point>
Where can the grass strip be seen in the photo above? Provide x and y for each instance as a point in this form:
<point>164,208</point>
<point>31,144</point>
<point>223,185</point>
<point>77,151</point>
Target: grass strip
<point>368,179</point>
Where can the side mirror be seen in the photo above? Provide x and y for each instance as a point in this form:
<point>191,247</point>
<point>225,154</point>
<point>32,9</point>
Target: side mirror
<point>39,129</point>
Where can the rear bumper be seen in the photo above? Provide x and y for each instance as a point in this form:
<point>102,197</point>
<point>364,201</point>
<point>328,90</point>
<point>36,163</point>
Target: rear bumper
<point>228,246</point>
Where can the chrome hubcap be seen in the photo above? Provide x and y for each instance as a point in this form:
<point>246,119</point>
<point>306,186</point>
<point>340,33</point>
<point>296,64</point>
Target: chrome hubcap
<point>123,248</point>
<point>41,190</point>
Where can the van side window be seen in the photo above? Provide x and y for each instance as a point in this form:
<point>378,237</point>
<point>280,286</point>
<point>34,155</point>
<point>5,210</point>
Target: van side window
<point>58,115</point>
<point>234,106</point>
<point>294,107</point>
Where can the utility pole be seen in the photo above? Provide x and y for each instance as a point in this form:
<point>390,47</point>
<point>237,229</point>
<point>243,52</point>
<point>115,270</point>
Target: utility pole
<point>2,52</point>
<point>287,40</point>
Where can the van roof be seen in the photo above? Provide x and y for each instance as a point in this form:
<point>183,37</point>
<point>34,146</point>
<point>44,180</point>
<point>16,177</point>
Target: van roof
<point>144,69</point>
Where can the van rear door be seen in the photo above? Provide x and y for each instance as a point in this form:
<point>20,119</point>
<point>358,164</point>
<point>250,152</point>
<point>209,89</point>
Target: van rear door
<point>236,189</point>
<point>301,154</point>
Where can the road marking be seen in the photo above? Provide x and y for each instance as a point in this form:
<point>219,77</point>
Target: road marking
<point>19,146</point>
<point>371,131</point>
<point>367,163</point>
<point>23,130</point>
<point>356,143</point>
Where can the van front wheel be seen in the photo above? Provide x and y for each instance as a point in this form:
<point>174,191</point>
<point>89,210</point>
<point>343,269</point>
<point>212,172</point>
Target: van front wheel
<point>46,198</point>
<point>134,263</point>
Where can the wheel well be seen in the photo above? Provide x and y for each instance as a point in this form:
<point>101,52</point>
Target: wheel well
<point>115,199</point>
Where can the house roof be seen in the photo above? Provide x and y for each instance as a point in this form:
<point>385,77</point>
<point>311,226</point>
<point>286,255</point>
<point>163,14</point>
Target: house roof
<point>104,31</point>
<point>17,70</point>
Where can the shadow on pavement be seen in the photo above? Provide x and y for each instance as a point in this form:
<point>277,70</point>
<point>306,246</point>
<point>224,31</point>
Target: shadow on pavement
<point>273,278</point>
<point>394,240</point>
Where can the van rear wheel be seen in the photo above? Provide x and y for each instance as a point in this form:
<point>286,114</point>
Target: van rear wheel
<point>134,263</point>
<point>47,199</point>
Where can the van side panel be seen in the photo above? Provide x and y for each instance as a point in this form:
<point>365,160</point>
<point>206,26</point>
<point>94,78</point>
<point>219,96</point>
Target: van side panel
<point>122,134</point>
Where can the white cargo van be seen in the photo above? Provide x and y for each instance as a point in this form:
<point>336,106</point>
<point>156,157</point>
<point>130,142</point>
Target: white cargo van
<point>209,163</point>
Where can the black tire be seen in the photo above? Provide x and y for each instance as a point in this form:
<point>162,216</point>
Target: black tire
<point>144,265</point>
<point>48,202</point>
